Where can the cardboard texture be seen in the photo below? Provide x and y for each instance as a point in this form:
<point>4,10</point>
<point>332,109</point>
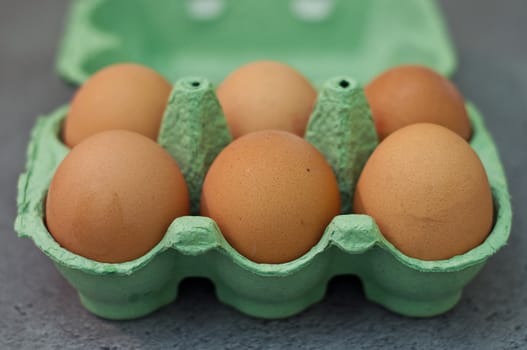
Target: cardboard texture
<point>194,246</point>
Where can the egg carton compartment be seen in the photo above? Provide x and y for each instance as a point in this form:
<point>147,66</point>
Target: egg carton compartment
<point>194,132</point>
<point>321,38</point>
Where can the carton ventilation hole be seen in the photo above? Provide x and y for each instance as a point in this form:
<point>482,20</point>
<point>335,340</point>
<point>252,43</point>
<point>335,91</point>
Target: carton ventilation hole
<point>312,10</point>
<point>195,84</point>
<point>344,84</point>
<point>205,9</point>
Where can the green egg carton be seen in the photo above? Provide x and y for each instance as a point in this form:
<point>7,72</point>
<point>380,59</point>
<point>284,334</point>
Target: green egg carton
<point>194,132</point>
<point>321,38</point>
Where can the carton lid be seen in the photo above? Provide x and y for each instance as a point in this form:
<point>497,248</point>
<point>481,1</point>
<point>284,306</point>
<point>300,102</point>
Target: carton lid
<point>210,38</point>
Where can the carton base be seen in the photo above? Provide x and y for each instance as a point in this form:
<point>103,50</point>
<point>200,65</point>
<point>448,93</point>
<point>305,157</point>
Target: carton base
<point>410,307</point>
<point>268,310</point>
<point>131,309</point>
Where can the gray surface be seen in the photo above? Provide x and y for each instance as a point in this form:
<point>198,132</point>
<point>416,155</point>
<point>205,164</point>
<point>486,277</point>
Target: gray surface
<point>39,310</point>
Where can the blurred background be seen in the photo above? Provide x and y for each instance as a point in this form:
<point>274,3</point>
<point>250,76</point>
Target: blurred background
<point>40,310</point>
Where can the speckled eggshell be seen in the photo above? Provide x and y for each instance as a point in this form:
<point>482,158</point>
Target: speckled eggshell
<point>121,96</point>
<point>113,197</point>
<point>266,95</point>
<point>428,191</point>
<point>412,94</point>
<point>272,195</point>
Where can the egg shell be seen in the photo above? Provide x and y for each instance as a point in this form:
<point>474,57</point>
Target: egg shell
<point>125,96</point>
<point>113,197</point>
<point>428,192</point>
<point>266,95</point>
<point>193,246</point>
<point>410,94</point>
<point>272,195</point>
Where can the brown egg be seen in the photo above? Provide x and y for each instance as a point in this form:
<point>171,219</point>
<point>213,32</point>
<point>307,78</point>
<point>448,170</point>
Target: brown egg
<point>266,95</point>
<point>114,196</point>
<point>122,96</point>
<point>272,194</point>
<point>415,94</point>
<point>428,192</point>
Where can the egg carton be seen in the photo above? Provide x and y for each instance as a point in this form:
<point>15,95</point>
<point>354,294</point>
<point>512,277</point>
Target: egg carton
<point>320,38</point>
<point>194,131</point>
